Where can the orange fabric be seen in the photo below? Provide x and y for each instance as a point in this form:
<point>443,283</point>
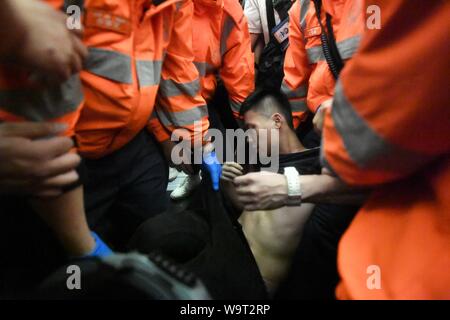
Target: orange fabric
<point>158,33</point>
<point>15,79</point>
<point>135,49</point>
<point>315,76</point>
<point>70,117</point>
<point>222,46</point>
<point>396,87</point>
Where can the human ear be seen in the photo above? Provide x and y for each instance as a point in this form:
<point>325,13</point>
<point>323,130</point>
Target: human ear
<point>277,119</point>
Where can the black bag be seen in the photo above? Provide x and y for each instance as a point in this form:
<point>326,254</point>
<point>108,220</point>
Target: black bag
<point>208,241</point>
<point>270,69</point>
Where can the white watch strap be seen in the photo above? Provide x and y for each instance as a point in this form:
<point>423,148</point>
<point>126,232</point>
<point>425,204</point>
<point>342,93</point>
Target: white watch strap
<point>294,188</point>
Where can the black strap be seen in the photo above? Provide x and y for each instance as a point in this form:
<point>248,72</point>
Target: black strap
<point>333,45</point>
<point>270,16</point>
<point>282,8</point>
<point>329,46</point>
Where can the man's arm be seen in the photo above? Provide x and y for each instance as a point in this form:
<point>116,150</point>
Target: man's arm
<point>34,34</point>
<point>390,127</point>
<point>34,161</point>
<point>65,215</point>
<point>257,47</point>
<point>32,164</point>
<point>296,67</point>
<point>231,170</point>
<point>319,117</point>
<point>11,31</point>
<point>267,190</point>
<point>325,188</point>
<point>238,66</point>
<point>179,104</point>
<point>251,12</point>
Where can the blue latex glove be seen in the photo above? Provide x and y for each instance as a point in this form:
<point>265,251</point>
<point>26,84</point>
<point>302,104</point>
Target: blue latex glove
<point>213,166</point>
<point>101,249</point>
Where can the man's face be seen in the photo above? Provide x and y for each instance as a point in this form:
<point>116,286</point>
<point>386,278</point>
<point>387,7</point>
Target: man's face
<point>263,126</point>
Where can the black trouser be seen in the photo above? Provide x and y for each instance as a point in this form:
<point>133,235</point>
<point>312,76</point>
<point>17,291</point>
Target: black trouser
<point>126,188</point>
<point>313,273</point>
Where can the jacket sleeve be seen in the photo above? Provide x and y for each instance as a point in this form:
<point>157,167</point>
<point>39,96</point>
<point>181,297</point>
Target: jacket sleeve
<point>22,101</point>
<point>237,71</point>
<point>387,118</point>
<point>296,67</point>
<point>180,108</point>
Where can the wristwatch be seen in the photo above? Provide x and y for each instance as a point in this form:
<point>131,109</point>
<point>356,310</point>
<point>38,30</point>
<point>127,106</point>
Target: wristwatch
<point>294,188</point>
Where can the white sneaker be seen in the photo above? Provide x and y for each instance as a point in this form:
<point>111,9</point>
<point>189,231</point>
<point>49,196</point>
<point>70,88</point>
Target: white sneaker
<point>173,174</point>
<point>185,189</point>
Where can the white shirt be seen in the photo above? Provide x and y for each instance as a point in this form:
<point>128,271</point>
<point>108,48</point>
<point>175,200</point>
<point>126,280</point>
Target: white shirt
<point>255,11</point>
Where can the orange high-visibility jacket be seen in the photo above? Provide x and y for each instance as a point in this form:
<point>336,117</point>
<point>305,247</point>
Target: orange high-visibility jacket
<point>140,60</point>
<point>308,81</point>
<point>389,128</point>
<point>222,48</point>
<point>137,47</point>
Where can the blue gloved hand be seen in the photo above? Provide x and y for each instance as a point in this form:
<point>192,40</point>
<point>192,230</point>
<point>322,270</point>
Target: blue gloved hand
<point>100,250</point>
<point>213,166</point>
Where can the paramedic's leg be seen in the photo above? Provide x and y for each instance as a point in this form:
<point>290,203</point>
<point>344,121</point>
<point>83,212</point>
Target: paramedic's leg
<point>144,190</point>
<point>126,188</point>
<point>100,191</point>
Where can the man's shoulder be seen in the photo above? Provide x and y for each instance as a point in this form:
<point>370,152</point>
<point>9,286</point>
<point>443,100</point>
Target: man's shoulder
<point>306,162</point>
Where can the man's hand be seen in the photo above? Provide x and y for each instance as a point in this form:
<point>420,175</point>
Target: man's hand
<point>262,190</point>
<point>231,170</point>
<point>33,161</point>
<point>41,40</point>
<point>319,117</point>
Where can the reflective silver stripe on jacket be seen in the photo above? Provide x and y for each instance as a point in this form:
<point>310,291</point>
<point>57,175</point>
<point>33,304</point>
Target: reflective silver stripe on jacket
<point>170,88</point>
<point>42,105</point>
<point>227,28</point>
<point>346,49</point>
<point>149,72</point>
<point>363,144</point>
<point>235,106</point>
<point>304,7</point>
<point>109,64</point>
<point>204,68</point>
<point>300,92</point>
<point>299,106</point>
<point>181,118</point>
<point>117,67</point>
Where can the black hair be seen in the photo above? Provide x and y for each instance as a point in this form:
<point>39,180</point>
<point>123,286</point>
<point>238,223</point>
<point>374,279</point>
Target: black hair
<point>281,105</point>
